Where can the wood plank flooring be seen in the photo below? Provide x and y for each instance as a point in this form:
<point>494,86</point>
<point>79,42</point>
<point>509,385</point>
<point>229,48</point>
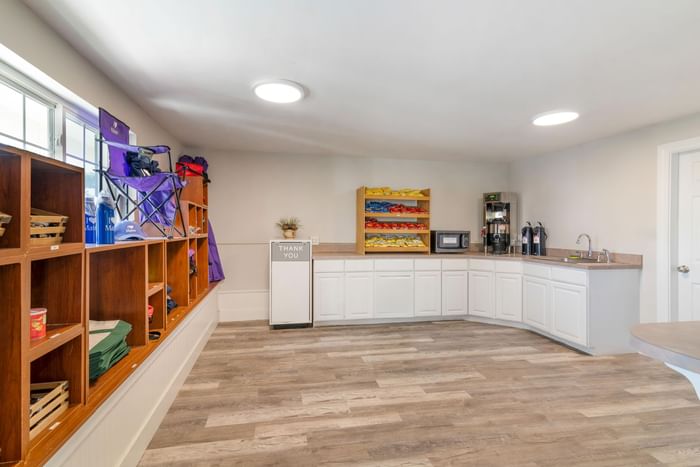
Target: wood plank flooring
<point>426,394</point>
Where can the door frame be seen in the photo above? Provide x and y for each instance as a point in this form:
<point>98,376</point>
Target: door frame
<point>667,224</point>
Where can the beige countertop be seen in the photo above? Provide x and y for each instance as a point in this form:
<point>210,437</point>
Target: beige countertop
<point>674,343</point>
<point>550,260</point>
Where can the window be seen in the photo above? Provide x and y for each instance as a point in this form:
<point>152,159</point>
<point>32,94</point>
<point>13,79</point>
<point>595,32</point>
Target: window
<point>26,121</point>
<point>81,149</point>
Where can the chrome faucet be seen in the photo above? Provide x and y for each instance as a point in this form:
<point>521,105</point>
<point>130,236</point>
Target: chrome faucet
<point>587,237</point>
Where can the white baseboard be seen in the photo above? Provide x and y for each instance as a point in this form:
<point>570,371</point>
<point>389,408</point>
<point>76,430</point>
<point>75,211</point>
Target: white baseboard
<point>121,428</point>
<point>243,305</point>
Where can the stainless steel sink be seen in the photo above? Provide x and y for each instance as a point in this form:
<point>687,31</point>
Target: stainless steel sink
<point>559,259</point>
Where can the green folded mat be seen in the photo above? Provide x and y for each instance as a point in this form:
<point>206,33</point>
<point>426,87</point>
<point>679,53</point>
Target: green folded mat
<point>111,346</point>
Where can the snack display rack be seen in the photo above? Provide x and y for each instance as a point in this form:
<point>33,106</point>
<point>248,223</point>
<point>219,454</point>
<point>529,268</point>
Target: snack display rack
<point>407,216</point>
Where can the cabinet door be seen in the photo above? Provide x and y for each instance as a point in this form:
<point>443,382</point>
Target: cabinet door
<point>509,296</point>
<point>481,294</point>
<point>428,293</point>
<point>455,292</point>
<point>393,294</point>
<point>536,302</point>
<point>569,312</point>
<point>328,296</point>
<point>358,295</point>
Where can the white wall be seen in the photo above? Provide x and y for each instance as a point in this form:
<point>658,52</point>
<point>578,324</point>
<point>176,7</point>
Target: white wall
<point>251,191</point>
<point>607,189</point>
<point>32,39</point>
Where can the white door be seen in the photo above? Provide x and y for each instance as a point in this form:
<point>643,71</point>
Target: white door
<point>569,312</point>
<point>428,293</point>
<point>289,292</point>
<point>688,264</point>
<point>455,292</point>
<point>481,294</point>
<point>358,295</point>
<point>328,296</point>
<point>536,302</point>
<point>393,294</point>
<point>509,296</point>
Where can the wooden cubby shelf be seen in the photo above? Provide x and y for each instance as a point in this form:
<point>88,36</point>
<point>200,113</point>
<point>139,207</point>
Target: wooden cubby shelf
<point>76,283</point>
<point>56,336</point>
<point>402,218</point>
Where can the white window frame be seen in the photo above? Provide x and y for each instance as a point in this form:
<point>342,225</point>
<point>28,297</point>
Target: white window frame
<point>54,110</point>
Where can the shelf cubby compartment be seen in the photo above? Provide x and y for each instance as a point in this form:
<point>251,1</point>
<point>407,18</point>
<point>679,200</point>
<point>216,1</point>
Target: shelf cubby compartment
<point>192,249</point>
<point>117,279</point>
<point>423,217</point>
<point>58,188</point>
<point>195,219</point>
<point>177,276</point>
<point>56,283</point>
<point>14,335</point>
<point>64,363</point>
<point>13,201</point>
<point>202,253</point>
<point>156,284</point>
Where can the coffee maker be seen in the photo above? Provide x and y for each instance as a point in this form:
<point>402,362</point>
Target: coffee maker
<point>500,219</point>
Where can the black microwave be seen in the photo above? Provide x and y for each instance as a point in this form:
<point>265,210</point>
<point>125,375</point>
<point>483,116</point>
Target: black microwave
<point>449,241</point>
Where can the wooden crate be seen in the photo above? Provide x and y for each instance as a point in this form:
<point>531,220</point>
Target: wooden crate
<point>53,400</point>
<point>4,219</point>
<point>46,228</point>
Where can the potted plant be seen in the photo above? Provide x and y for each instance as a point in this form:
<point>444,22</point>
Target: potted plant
<point>289,226</point>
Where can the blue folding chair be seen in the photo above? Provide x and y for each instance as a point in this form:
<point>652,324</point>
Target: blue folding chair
<point>157,199</point>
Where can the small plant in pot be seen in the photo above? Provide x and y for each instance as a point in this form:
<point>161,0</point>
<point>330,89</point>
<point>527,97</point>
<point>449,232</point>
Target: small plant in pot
<point>289,226</point>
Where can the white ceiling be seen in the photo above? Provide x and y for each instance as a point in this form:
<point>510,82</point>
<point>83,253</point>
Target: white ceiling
<point>422,79</point>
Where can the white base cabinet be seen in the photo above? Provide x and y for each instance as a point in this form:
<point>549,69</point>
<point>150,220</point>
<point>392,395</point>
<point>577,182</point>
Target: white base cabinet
<point>482,294</point>
<point>329,292</point>
<point>427,293</point>
<point>393,295</point>
<point>359,295</point>
<point>455,293</point>
<point>592,310</point>
<point>569,312</point>
<point>509,296</point>
<point>536,302</point>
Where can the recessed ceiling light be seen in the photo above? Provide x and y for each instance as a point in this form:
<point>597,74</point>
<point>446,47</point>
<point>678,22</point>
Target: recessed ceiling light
<point>556,117</point>
<point>279,91</point>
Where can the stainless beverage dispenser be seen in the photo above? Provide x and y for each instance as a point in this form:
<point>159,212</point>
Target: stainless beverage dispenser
<point>500,220</point>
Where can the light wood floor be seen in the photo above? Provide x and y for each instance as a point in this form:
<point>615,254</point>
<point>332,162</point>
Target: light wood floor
<point>446,393</point>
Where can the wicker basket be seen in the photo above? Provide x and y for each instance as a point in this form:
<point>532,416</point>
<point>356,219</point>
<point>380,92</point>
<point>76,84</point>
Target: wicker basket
<point>49,401</point>
<point>46,228</point>
<point>4,220</point>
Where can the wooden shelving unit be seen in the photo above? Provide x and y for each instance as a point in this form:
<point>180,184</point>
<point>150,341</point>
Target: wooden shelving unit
<point>75,283</point>
<point>362,232</point>
<point>196,217</point>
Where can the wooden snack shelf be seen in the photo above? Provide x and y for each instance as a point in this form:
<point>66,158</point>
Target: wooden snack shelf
<point>399,215</point>
<point>422,202</point>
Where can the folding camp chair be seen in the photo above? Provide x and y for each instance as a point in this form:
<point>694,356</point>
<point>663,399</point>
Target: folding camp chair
<point>157,199</point>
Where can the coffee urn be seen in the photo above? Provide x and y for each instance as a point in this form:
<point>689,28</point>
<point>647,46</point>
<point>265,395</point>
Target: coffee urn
<point>527,239</point>
<point>539,240</point>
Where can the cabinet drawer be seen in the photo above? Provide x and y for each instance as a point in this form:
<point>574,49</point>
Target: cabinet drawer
<point>393,265</point>
<point>535,270</point>
<point>570,275</point>
<point>481,265</point>
<point>455,264</point>
<point>427,264</point>
<point>515,267</point>
<point>359,265</point>
<point>329,265</point>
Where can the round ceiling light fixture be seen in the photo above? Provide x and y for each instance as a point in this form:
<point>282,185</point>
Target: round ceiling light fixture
<point>279,91</point>
<point>554,117</point>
